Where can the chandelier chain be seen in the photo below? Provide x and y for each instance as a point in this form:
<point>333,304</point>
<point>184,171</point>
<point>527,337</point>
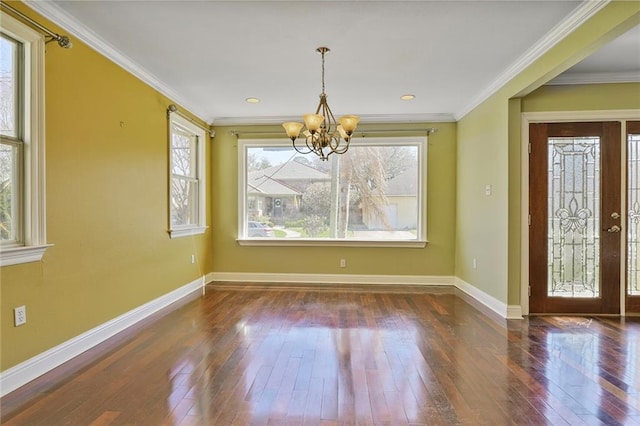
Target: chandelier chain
<point>322,72</point>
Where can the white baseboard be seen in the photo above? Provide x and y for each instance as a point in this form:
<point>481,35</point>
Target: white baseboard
<point>23,373</point>
<point>435,280</point>
<point>501,308</point>
<point>514,312</point>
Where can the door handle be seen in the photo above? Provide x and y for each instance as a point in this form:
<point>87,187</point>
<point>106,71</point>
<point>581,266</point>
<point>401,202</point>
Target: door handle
<point>614,228</point>
<point>615,215</point>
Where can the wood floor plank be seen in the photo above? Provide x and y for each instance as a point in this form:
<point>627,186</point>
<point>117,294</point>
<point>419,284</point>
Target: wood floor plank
<point>254,355</point>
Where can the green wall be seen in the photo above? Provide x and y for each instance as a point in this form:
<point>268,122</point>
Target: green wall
<point>615,96</point>
<point>107,207</point>
<point>489,153</point>
<point>435,259</point>
<point>481,231</point>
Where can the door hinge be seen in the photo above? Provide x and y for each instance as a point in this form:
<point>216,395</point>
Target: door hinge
<point>529,290</point>
<point>529,220</point>
<point>529,147</point>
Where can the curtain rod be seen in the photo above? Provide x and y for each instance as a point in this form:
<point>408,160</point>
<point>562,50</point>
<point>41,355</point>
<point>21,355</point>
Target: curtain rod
<point>174,109</point>
<point>63,40</point>
<point>363,133</point>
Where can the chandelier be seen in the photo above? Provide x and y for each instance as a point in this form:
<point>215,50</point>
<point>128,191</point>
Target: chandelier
<point>323,136</point>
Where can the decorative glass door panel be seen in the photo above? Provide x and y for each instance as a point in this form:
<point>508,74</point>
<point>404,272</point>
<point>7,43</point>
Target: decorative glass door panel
<point>574,217</point>
<point>633,217</point>
<point>574,189</point>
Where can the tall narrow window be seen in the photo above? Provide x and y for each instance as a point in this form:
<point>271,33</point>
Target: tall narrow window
<point>187,192</point>
<point>22,197</point>
<point>12,142</point>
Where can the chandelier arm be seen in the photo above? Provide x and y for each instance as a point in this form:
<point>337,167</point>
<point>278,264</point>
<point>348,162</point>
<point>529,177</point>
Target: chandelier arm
<point>337,146</point>
<point>334,142</point>
<point>311,144</point>
<point>329,122</point>
<point>331,119</point>
<point>299,150</point>
<point>342,150</point>
<point>329,113</point>
<point>319,109</point>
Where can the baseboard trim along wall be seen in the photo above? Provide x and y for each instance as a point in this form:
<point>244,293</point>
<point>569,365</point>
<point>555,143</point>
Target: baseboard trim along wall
<point>23,373</point>
<point>490,302</point>
<point>500,308</point>
<point>433,280</point>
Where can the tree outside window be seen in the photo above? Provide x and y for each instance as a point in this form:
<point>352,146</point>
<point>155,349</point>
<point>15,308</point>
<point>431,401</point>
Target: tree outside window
<point>372,192</point>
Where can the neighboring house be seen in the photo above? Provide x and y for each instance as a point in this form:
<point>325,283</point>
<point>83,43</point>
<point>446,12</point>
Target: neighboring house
<point>401,207</point>
<point>276,191</point>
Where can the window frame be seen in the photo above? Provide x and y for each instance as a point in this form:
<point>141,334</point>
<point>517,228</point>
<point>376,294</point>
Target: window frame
<point>177,231</point>
<point>421,142</point>
<point>30,244</point>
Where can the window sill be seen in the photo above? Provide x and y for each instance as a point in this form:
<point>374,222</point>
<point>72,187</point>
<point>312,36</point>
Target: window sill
<point>187,232</point>
<point>283,242</point>
<point>22,254</point>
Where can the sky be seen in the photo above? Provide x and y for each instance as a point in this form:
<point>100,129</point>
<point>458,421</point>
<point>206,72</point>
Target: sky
<point>274,155</point>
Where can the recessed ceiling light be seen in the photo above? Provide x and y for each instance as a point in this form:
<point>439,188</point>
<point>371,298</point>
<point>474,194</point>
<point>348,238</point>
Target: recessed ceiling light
<point>407,97</point>
<point>252,100</point>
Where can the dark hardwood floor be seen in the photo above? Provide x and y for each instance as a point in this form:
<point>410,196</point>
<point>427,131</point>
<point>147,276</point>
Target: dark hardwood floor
<point>248,355</point>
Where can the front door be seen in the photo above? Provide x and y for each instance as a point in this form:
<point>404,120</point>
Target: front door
<point>575,218</point>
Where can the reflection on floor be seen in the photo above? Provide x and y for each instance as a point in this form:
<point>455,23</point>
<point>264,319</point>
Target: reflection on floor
<point>247,355</point>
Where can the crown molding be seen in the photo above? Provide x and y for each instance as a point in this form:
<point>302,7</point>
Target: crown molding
<point>596,78</point>
<point>371,119</point>
<point>55,14</point>
<point>580,15</point>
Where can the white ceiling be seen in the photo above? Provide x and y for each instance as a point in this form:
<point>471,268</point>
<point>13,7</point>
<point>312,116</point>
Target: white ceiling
<point>618,61</point>
<point>209,56</point>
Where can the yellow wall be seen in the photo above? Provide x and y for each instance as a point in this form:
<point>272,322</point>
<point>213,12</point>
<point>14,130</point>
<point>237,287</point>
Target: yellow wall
<point>435,259</point>
<point>489,152</point>
<point>107,207</point>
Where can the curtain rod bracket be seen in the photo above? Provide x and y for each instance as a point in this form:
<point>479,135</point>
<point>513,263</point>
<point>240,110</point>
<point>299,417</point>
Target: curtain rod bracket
<point>172,108</point>
<point>63,40</point>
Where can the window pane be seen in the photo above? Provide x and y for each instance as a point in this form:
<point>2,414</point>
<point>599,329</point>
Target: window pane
<point>369,193</point>
<point>8,86</point>
<point>184,192</point>
<point>183,153</point>
<point>8,193</point>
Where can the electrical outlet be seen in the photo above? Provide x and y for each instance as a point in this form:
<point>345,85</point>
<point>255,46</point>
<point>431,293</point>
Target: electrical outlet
<point>343,263</point>
<point>475,263</point>
<point>193,258</point>
<point>20,315</point>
